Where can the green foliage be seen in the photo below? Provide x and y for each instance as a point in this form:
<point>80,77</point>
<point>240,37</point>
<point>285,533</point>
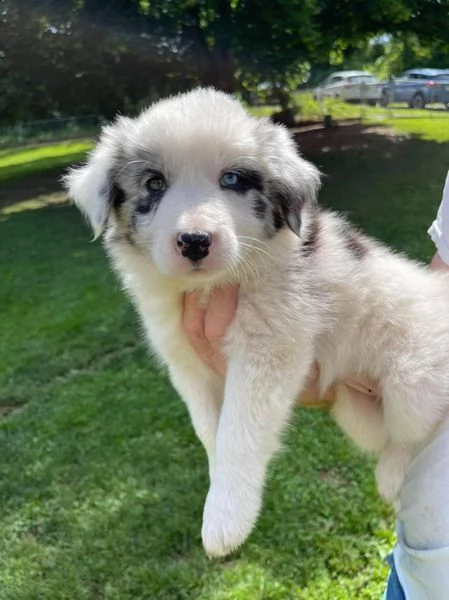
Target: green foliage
<point>84,56</point>
<point>391,55</point>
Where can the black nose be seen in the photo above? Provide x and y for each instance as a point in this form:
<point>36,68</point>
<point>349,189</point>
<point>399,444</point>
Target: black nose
<point>194,246</point>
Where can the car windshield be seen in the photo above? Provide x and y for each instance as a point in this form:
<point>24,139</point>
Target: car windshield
<point>362,79</point>
<point>420,75</point>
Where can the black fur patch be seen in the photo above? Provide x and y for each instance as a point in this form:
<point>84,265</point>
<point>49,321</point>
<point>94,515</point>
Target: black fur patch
<point>248,180</point>
<point>117,196</point>
<point>290,205</point>
<point>148,202</point>
<point>311,237</point>
<point>278,219</point>
<point>260,206</point>
<point>355,244</point>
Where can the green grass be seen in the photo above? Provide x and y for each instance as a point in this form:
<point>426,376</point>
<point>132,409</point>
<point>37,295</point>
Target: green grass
<point>20,162</point>
<point>311,110</point>
<point>102,480</point>
<point>425,128</point>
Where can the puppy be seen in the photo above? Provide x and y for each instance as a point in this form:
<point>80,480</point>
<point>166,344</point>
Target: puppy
<point>194,193</point>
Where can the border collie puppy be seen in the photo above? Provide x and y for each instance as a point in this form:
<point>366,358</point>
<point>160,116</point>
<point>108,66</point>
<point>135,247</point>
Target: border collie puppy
<point>195,194</point>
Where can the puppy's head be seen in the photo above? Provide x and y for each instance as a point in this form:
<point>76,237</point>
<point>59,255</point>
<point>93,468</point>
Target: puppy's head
<point>194,183</point>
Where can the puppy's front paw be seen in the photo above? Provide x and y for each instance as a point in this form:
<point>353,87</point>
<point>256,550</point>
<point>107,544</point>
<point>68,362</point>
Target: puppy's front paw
<point>229,516</point>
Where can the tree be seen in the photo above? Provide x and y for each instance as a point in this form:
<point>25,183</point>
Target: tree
<point>387,37</point>
<point>79,56</point>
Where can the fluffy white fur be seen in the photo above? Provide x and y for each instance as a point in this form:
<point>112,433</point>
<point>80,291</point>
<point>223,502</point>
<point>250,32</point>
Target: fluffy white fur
<point>311,289</point>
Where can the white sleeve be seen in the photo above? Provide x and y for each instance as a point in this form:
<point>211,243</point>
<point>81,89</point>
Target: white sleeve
<point>439,230</point>
<point>421,556</point>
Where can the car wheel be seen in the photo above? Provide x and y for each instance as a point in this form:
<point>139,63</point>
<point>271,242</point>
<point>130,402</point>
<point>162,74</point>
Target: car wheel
<point>417,101</point>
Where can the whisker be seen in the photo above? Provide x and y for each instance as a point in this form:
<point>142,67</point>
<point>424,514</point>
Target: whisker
<point>241,263</point>
<point>256,247</point>
<point>252,239</point>
<point>131,162</point>
<point>232,267</point>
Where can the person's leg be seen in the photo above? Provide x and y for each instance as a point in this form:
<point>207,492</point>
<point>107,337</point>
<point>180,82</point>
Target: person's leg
<point>394,589</point>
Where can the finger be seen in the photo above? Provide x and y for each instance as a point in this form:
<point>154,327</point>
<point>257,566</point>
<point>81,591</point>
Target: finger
<point>220,314</point>
<point>193,318</point>
<point>438,263</point>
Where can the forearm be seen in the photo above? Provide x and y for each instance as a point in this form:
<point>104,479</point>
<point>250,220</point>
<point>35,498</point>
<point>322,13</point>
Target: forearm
<point>439,232</point>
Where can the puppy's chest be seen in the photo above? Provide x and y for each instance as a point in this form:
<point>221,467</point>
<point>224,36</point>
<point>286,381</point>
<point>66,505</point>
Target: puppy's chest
<point>163,320</point>
<point>271,316</point>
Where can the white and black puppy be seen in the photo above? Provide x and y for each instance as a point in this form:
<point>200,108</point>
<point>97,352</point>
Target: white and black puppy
<point>194,193</point>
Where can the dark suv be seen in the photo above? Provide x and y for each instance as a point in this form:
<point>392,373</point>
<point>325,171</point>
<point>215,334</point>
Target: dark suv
<point>416,87</point>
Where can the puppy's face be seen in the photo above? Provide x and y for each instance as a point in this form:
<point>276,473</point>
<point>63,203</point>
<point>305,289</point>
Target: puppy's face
<point>195,184</point>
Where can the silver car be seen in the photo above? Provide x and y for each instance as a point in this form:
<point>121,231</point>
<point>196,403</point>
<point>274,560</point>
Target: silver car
<point>415,87</point>
<point>441,90</point>
<point>350,86</point>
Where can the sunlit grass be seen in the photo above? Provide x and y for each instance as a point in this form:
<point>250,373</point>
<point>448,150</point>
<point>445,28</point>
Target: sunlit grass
<point>19,162</point>
<point>427,129</point>
<point>33,203</point>
<point>310,109</point>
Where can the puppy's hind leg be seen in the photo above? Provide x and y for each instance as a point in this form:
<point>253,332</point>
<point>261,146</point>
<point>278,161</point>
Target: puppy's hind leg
<point>391,468</point>
<point>360,417</point>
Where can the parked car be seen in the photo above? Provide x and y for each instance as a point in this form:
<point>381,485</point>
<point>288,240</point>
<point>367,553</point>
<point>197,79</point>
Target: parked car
<point>416,87</point>
<point>350,86</point>
<point>441,89</point>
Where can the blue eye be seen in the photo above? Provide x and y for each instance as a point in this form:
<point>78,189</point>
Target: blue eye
<point>230,179</point>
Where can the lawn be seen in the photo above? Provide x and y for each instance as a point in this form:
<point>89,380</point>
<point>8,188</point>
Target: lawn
<point>102,480</point>
<point>312,110</point>
<point>20,162</point>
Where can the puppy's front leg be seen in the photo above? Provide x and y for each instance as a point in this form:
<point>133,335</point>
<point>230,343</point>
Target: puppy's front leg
<point>259,395</point>
<point>202,393</point>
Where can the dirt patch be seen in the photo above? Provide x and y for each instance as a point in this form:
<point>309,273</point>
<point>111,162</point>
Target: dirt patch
<point>8,408</point>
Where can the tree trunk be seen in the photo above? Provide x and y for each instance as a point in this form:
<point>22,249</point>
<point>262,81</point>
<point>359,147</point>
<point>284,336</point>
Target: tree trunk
<point>215,63</point>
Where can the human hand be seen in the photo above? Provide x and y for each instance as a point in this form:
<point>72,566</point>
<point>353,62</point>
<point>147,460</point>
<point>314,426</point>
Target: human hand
<point>206,324</point>
<point>438,263</point>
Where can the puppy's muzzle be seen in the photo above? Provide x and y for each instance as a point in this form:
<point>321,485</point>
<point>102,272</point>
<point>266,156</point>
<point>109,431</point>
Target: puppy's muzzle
<point>194,246</point>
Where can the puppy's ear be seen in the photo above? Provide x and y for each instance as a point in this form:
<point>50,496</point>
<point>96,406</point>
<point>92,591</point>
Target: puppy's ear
<point>91,186</point>
<point>294,181</point>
